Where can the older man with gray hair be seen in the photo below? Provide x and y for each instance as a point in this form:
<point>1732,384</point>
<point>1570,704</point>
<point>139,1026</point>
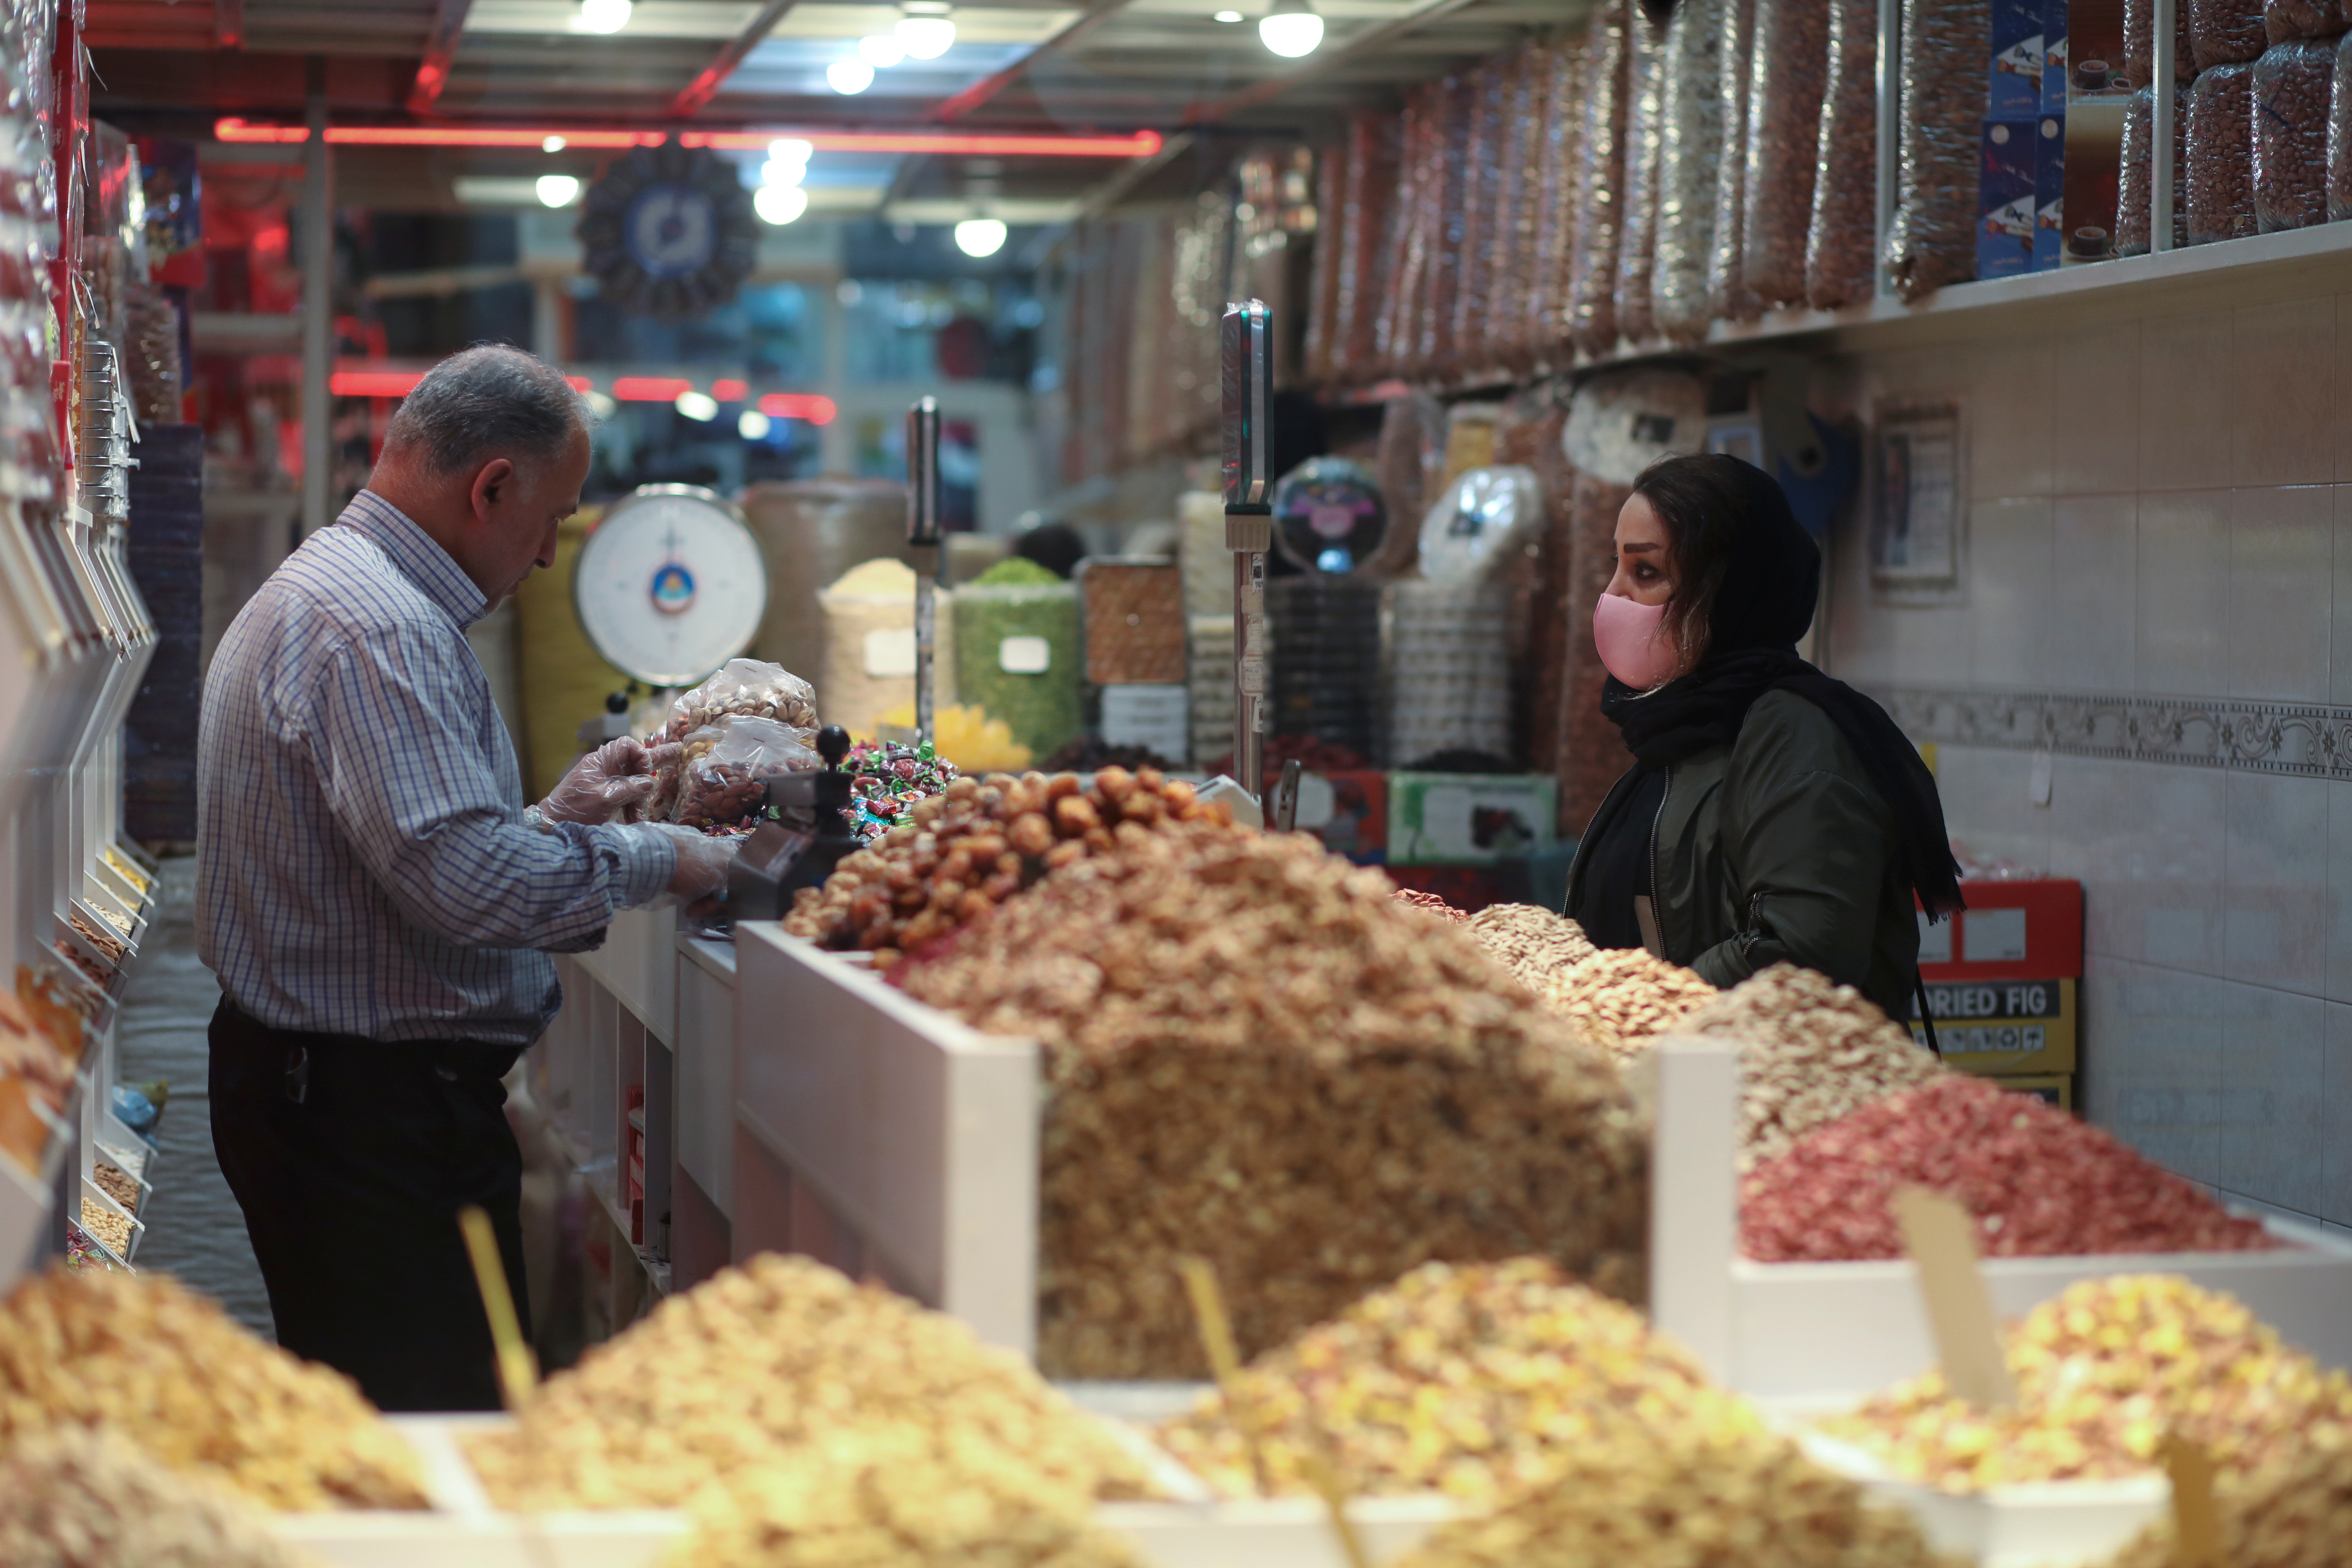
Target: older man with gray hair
<point>377,901</point>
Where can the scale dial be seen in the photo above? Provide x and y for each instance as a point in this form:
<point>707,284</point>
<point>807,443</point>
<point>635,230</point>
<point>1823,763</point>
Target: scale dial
<point>670,584</point>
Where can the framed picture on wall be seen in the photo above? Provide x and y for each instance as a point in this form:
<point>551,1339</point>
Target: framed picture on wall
<point>1918,512</point>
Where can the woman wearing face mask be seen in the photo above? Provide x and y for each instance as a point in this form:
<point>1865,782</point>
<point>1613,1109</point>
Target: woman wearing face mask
<point>1773,815</point>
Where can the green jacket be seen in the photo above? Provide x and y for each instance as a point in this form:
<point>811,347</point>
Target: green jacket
<point>1777,848</point>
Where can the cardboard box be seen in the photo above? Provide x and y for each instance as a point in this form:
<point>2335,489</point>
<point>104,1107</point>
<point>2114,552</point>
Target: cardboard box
<point>2010,930</point>
<point>2013,85</point>
<point>2054,30</point>
<point>2005,1028</point>
<point>2050,192</point>
<point>2005,199</point>
<point>1348,811</point>
<point>1469,819</point>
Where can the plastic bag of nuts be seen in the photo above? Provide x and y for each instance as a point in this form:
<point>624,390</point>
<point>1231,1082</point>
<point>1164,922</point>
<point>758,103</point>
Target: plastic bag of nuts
<point>1729,296</point>
<point>2139,42</point>
<point>1932,240</point>
<point>2225,32</point>
<point>2220,148</point>
<point>2135,191</point>
<point>1637,238</point>
<point>1691,152</point>
<point>723,782</point>
<point>1599,182</point>
<point>1841,259</point>
<point>2292,83</point>
<point>2284,19</point>
<point>2339,135</point>
<point>1785,90</point>
<point>748,685</point>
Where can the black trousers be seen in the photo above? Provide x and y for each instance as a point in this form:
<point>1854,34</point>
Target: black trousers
<point>350,1159</point>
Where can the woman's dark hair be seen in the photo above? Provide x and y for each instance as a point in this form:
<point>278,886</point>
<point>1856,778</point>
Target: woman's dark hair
<point>1701,500</point>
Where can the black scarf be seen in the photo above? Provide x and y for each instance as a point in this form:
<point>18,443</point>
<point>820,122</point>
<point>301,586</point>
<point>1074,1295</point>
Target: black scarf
<point>1764,607</point>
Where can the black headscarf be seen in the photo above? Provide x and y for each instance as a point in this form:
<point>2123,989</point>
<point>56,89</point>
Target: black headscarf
<point>1765,602</point>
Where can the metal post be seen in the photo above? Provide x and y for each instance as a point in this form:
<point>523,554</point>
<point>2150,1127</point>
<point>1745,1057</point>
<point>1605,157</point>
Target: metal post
<point>1249,526</point>
<point>923,533</point>
<point>317,310</point>
<point>2160,132</point>
<point>1890,129</point>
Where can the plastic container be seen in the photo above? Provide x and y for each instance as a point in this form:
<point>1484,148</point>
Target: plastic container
<point>1841,255</point>
<point>1727,292</point>
<point>1637,240</point>
<point>2135,205</point>
<point>2292,86</point>
<point>2219,155</point>
<point>1786,85</point>
<point>1692,149</point>
<point>1932,240</point>
<point>1600,185</point>
<point>2225,32</point>
<point>1018,658</point>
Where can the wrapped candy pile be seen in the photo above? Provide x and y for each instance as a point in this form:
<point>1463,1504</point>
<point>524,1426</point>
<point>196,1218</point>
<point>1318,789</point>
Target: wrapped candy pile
<point>889,779</point>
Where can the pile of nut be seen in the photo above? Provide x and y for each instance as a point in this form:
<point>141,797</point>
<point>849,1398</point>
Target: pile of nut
<point>1531,942</point>
<point>1623,998</point>
<point>2037,1181</point>
<point>1413,898</point>
<point>71,1499</point>
<point>1679,1501</point>
<point>758,1364</point>
<point>115,1185</point>
<point>107,1225</point>
<point>1466,1379</point>
<point>169,1369</point>
<point>2297,1515</point>
<point>1255,1055</point>
<point>978,844</point>
<point>1811,1051</point>
<point>900,1497</point>
<point>2103,1371</point>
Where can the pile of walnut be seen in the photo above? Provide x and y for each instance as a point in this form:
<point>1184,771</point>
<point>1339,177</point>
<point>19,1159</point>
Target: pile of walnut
<point>766,1364</point>
<point>1811,1050</point>
<point>1623,998</point>
<point>71,1499</point>
<point>168,1369</point>
<point>1255,1054</point>
<point>975,845</point>
<point>1466,1379</point>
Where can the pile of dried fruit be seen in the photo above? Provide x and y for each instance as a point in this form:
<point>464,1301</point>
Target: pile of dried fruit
<point>115,1185</point>
<point>2298,1514</point>
<point>900,1497</point>
<point>1413,898</point>
<point>2103,1371</point>
<point>1811,1050</point>
<point>759,1363</point>
<point>1532,943</point>
<point>974,846</point>
<point>1689,1499</point>
<point>1254,1053</point>
<point>167,1368</point>
<point>72,1498</point>
<point>2037,1181</point>
<point>1467,1379</point>
<point>1623,998</point>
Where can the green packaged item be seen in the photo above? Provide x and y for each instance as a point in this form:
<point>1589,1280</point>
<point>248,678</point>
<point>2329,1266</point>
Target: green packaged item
<point>1017,656</point>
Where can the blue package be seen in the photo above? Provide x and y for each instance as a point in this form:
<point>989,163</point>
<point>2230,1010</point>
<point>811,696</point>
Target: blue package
<point>2005,200</point>
<point>2014,91</point>
<point>132,1109</point>
<point>2054,56</point>
<point>2050,192</point>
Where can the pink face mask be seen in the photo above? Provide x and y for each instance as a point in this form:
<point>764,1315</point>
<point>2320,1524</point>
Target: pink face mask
<point>1632,641</point>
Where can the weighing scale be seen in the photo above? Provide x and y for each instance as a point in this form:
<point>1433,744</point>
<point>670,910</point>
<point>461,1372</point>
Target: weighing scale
<point>670,584</point>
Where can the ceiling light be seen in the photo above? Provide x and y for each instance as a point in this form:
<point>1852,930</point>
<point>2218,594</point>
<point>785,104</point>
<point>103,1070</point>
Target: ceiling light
<point>558,189</point>
<point>978,236</point>
<point>602,406</point>
<point>772,172</point>
<point>697,405</point>
<point>881,50</point>
<point>1227,16</point>
<point>1291,29</point>
<point>791,149</point>
<point>752,424</point>
<point>849,78</point>
<point>553,145</point>
<point>778,204</point>
<point>604,16</point>
<point>924,29</point>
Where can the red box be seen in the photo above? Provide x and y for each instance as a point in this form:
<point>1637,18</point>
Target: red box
<point>2010,930</point>
<point>1348,811</point>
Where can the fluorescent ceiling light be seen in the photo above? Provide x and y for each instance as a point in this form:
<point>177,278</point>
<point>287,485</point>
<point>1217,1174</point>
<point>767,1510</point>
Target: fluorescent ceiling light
<point>771,172</point>
<point>849,78</point>
<point>791,149</point>
<point>602,406</point>
<point>778,204</point>
<point>978,236</point>
<point>752,424</point>
<point>925,30</point>
<point>553,145</point>
<point>604,16</point>
<point>1227,16</point>
<point>558,189</point>
<point>881,50</point>
<point>700,407</point>
<point>1291,29</point>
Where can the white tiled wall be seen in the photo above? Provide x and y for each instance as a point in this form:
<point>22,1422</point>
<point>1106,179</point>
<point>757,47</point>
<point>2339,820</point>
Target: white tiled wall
<point>2162,506</point>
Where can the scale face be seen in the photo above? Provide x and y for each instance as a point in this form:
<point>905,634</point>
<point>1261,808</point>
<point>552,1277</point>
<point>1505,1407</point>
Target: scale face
<point>670,584</point>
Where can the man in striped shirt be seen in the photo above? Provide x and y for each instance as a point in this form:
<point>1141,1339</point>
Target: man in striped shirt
<point>376,901</point>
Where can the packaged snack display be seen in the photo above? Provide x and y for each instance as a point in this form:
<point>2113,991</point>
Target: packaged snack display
<point>1932,240</point>
<point>1600,182</point>
<point>1787,82</point>
<point>1637,240</point>
<point>1841,256</point>
<point>2219,146</point>
<point>1729,296</point>
<point>2291,87</point>
<point>2225,32</point>
<point>1692,148</point>
<point>2135,190</point>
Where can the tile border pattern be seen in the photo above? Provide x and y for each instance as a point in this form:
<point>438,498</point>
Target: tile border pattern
<point>2297,739</point>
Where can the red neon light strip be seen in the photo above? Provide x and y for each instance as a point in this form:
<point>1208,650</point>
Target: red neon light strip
<point>728,391</point>
<point>815,407</point>
<point>1142,145</point>
<point>374,383</point>
<point>650,388</point>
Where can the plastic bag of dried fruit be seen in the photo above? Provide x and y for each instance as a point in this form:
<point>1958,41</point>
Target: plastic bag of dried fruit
<point>2220,144</point>
<point>1841,268</point>
<point>1933,240</point>
<point>2291,82</point>
<point>725,767</point>
<point>747,685</point>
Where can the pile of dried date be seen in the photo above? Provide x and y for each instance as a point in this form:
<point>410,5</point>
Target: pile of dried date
<point>1467,1379</point>
<point>144,1354</point>
<point>1255,1055</point>
<point>2038,1182</point>
<point>976,845</point>
<point>72,1498</point>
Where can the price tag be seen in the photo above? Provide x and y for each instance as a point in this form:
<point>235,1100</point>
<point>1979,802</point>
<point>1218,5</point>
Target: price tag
<point>1025,655</point>
<point>890,654</point>
<point>1942,1242</point>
